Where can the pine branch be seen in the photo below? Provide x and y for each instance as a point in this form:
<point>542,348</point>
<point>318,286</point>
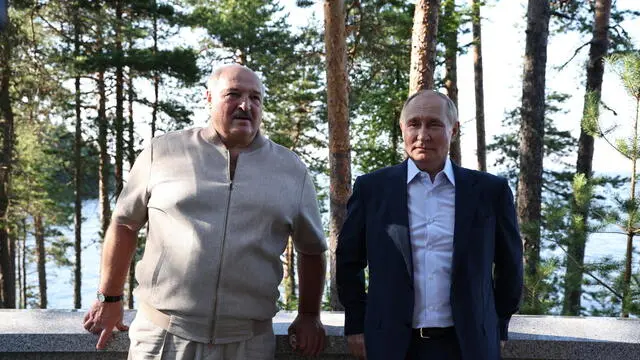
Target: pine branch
<point>574,55</point>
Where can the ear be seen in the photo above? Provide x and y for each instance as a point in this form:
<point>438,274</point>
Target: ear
<point>455,129</point>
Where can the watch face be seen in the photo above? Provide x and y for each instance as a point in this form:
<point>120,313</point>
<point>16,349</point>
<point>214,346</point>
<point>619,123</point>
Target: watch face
<point>101,297</point>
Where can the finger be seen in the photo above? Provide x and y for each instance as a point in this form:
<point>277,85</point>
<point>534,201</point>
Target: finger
<point>121,326</point>
<point>105,335</point>
<point>302,341</point>
<point>323,339</point>
<point>87,316</point>
<point>87,325</point>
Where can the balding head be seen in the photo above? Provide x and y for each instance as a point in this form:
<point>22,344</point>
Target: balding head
<point>215,75</point>
<point>451,110</point>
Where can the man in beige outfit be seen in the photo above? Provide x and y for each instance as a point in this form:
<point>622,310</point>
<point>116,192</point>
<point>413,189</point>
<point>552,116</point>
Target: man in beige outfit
<point>221,202</point>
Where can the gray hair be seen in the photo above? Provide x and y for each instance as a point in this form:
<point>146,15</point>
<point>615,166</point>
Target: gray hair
<point>452,111</point>
<point>215,76</point>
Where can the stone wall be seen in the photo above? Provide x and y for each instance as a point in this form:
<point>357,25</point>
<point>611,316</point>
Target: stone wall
<point>58,334</point>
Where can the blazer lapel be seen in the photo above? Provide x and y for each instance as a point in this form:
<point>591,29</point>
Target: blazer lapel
<point>398,226</point>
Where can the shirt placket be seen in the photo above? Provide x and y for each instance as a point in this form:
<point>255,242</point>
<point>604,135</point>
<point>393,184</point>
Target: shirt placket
<point>429,279</point>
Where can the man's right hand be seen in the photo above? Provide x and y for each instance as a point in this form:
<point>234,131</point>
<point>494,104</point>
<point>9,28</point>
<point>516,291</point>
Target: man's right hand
<point>102,318</point>
<point>356,346</point>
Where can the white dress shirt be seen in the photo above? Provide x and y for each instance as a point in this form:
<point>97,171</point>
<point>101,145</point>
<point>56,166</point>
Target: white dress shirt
<point>431,208</point>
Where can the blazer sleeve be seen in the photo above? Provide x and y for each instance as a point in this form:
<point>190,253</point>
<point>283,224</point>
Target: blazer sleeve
<point>351,259</point>
<point>508,271</point>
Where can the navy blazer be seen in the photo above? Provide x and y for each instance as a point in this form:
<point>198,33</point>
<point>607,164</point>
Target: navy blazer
<point>487,274</point>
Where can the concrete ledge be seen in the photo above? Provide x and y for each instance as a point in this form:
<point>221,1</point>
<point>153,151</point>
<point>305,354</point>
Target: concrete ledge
<point>58,334</point>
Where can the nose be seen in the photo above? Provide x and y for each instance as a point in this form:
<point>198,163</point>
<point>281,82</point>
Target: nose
<point>245,103</point>
<point>423,133</point>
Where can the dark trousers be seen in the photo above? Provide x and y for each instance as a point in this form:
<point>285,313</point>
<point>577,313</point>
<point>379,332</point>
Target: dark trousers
<point>436,344</point>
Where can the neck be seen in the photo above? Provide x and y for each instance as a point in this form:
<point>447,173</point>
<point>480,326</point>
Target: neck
<point>430,168</point>
<point>232,143</point>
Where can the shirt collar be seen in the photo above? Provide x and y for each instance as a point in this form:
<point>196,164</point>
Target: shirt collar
<point>413,171</point>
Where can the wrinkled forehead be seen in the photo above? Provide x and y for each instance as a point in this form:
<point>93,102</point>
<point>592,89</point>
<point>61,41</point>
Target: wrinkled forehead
<point>239,79</point>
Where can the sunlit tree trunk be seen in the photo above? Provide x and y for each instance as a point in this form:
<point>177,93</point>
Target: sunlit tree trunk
<point>423,45</point>
<point>338,118</point>
<point>451,71</point>
<point>478,76</point>
<point>529,196</point>
<point>578,239</point>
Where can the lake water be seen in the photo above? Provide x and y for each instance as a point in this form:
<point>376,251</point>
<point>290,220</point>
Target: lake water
<point>60,279</point>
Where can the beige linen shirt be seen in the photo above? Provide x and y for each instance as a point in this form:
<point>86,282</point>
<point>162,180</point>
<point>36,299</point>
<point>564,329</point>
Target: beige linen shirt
<point>212,255</point>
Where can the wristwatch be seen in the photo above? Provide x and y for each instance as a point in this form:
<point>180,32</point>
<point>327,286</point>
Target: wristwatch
<point>108,299</point>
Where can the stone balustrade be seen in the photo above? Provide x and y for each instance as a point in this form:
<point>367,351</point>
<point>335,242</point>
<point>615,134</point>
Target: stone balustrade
<point>58,334</point>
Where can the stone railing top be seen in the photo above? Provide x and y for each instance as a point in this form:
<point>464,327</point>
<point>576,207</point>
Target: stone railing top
<point>531,337</point>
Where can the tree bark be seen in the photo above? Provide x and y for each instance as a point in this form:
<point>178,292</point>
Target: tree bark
<point>156,77</point>
<point>595,70</point>
<point>23,266</point>
<point>119,119</point>
<point>41,257</point>
<point>481,142</point>
<point>338,118</point>
<point>7,245</point>
<point>529,197</point>
<point>451,72</point>
<point>631,225</point>
<point>103,128</point>
<point>77,155</point>
<point>290,275</point>
<point>131,158</point>
<point>423,45</point>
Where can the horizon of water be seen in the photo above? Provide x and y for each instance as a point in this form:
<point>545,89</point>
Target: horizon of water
<point>60,279</point>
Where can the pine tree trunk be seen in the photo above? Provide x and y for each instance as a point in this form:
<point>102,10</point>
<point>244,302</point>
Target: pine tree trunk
<point>131,158</point>
<point>451,72</point>
<point>578,239</point>
<point>156,77</point>
<point>481,142</point>
<point>23,266</point>
<point>529,197</point>
<point>423,45</point>
<point>41,257</point>
<point>77,166</point>
<point>290,275</point>
<point>7,245</point>
<point>119,119</point>
<point>103,176</point>
<point>631,224</point>
<point>338,118</point>
<point>19,257</point>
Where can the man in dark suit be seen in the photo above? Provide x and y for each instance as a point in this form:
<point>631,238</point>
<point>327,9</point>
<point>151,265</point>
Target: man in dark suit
<point>442,246</point>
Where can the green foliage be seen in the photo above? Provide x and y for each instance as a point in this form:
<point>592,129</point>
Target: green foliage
<point>542,289</point>
<point>627,67</point>
<point>577,16</point>
<point>379,48</point>
<point>591,114</point>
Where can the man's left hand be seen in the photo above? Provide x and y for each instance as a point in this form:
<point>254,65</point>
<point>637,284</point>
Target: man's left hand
<point>306,334</point>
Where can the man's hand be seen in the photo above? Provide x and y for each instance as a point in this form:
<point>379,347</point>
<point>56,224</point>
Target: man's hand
<point>306,334</point>
<point>356,346</point>
<point>102,318</point>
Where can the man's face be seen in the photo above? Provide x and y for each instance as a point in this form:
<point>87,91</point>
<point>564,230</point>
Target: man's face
<point>427,132</point>
<point>236,105</point>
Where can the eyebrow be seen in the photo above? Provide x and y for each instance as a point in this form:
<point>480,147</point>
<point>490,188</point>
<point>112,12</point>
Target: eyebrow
<point>240,90</point>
